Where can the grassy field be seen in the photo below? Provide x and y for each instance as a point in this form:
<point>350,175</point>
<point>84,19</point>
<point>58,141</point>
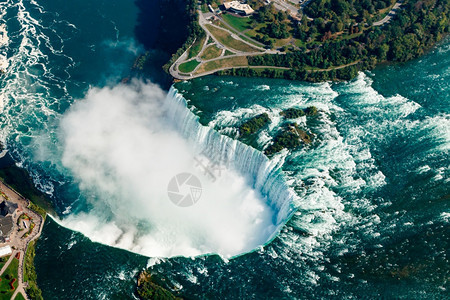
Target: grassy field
<point>189,66</point>
<point>227,53</point>
<point>254,31</point>
<point>211,52</point>
<point>196,47</point>
<point>236,61</point>
<point>300,43</point>
<point>3,261</point>
<point>347,36</point>
<point>10,274</point>
<point>244,36</point>
<point>19,296</point>
<point>225,38</point>
<point>238,23</point>
<point>30,273</point>
<point>247,39</point>
<point>278,43</point>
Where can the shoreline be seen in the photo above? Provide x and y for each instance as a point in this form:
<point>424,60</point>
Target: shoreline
<point>291,64</point>
<point>17,187</point>
<point>20,244</point>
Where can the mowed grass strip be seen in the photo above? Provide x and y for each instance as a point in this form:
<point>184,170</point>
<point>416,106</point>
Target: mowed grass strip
<point>236,61</point>
<point>189,66</point>
<point>225,38</point>
<point>211,52</point>
<point>238,23</point>
<point>8,277</point>
<point>244,37</point>
<point>227,53</point>
<point>196,47</point>
<point>19,296</point>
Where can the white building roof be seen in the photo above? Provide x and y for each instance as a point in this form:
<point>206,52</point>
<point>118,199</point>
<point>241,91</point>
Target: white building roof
<point>236,5</point>
<point>5,251</point>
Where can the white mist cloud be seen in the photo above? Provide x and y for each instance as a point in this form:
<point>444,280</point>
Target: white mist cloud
<point>119,147</point>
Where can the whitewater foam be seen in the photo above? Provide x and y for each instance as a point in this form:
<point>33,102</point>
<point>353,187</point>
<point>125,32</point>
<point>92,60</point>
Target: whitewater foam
<point>126,163</point>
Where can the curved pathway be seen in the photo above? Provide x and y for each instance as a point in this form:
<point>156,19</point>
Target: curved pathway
<point>390,15</point>
<point>175,72</point>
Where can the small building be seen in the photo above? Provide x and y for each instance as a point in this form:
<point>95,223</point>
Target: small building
<point>6,250</point>
<point>7,208</point>
<point>238,7</point>
<point>6,226</point>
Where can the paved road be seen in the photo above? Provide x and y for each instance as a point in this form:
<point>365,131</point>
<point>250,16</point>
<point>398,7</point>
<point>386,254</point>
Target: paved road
<point>173,70</point>
<point>202,21</point>
<point>233,35</point>
<point>285,6</point>
<point>390,15</point>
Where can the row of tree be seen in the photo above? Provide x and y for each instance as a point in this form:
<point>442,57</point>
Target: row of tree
<point>193,31</point>
<point>301,74</point>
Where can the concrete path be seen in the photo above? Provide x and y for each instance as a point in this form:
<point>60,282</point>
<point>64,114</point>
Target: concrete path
<point>7,263</point>
<point>286,6</point>
<point>390,15</point>
<point>18,243</point>
<point>174,71</point>
<point>20,287</point>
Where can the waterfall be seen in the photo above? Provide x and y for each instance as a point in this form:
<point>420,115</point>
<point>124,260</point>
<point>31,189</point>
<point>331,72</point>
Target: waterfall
<point>263,174</point>
<point>242,207</point>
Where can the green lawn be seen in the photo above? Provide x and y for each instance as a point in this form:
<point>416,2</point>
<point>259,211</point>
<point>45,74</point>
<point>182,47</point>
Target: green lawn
<point>244,36</point>
<point>227,52</point>
<point>211,52</point>
<point>189,66</point>
<point>348,36</point>
<point>196,47</point>
<point>19,296</point>
<point>254,31</point>
<point>238,23</point>
<point>225,38</point>
<point>11,272</point>
<point>236,61</point>
<point>300,43</point>
<point>3,261</point>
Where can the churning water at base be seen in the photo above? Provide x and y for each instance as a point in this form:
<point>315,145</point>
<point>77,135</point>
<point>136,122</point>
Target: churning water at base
<point>123,146</point>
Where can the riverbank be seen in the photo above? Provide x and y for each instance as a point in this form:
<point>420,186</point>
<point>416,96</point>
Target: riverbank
<point>312,49</point>
<point>27,225</point>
